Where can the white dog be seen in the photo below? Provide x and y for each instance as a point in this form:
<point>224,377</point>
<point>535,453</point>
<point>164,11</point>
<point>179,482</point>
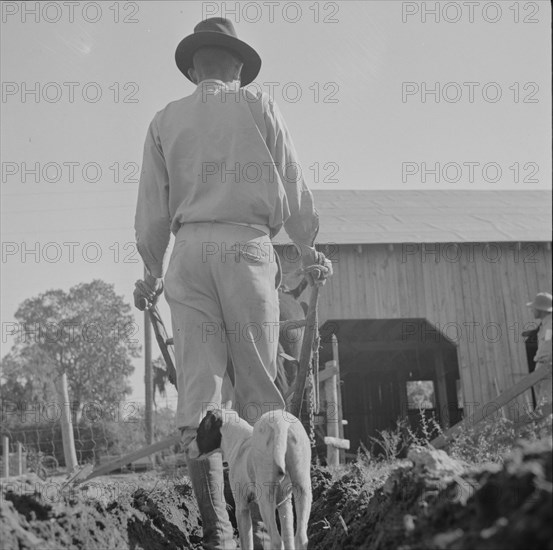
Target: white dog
<point>267,463</point>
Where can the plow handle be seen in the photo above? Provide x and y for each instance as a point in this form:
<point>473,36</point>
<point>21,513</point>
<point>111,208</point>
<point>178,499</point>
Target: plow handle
<point>306,352</point>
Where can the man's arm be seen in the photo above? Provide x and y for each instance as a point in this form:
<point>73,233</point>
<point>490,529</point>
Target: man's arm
<point>152,220</point>
<point>302,225</point>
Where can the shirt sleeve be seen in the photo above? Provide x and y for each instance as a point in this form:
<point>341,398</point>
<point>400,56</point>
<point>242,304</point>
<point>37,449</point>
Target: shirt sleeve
<point>302,225</point>
<point>153,221</point>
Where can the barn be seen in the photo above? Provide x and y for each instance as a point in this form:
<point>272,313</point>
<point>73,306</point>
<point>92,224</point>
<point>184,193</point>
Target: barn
<point>428,300</point>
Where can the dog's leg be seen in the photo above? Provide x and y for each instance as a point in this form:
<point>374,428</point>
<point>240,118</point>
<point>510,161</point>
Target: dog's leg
<point>244,521</point>
<point>302,499</point>
<point>286,517</point>
<point>267,508</point>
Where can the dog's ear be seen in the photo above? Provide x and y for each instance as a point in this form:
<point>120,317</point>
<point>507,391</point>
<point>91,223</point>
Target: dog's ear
<point>209,432</point>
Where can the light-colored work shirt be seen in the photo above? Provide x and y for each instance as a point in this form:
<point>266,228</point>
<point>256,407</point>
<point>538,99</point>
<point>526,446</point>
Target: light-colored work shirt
<point>545,334</point>
<point>221,154</point>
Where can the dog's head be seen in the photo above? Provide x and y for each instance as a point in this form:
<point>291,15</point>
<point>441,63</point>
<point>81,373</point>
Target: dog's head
<point>212,430</point>
<point>208,438</point>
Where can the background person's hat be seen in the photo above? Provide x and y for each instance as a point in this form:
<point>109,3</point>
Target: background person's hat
<point>542,302</point>
<point>217,32</point>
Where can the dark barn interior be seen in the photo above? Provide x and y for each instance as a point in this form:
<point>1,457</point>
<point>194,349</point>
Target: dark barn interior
<point>393,369</point>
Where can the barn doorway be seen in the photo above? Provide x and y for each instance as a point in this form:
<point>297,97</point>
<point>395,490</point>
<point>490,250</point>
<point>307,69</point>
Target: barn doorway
<point>393,369</point>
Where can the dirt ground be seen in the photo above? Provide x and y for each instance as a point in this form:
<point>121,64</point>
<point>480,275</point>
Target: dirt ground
<point>433,505</point>
<point>426,502</point>
<point>120,512</point>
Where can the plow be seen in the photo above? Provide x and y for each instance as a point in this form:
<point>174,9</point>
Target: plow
<point>294,398</point>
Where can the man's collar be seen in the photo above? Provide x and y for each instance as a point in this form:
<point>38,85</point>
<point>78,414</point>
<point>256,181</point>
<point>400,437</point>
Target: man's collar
<point>214,83</point>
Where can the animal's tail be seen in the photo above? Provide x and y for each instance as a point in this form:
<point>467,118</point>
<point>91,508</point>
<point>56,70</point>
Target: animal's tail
<point>280,430</point>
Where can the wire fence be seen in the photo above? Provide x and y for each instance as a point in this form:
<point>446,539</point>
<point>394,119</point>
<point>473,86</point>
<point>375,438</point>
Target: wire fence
<point>98,439</point>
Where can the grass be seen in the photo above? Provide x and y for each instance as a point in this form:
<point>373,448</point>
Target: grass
<point>488,441</point>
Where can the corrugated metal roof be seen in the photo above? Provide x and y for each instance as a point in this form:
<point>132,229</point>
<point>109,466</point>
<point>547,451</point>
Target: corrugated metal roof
<point>362,216</point>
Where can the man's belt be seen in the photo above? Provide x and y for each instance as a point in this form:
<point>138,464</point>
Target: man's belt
<point>263,228</point>
<point>259,227</point>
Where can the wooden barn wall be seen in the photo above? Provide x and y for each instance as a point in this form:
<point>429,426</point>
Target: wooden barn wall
<point>477,298</point>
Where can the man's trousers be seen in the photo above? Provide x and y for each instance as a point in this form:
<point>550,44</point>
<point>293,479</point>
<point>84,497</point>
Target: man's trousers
<point>220,286</point>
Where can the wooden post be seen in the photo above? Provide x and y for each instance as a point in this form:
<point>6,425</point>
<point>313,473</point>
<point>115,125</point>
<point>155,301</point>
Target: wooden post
<point>334,440</point>
<point>334,341</point>
<point>443,405</point>
<point>68,439</point>
<point>332,429</point>
<point>148,377</point>
<point>5,456</point>
<point>337,443</point>
<point>19,458</point>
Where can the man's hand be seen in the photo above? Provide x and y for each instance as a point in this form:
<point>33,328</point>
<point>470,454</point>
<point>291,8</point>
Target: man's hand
<point>316,267</point>
<point>147,292</point>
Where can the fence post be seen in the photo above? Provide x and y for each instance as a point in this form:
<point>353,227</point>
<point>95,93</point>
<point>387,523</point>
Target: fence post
<point>66,424</point>
<point>340,410</point>
<point>332,430</point>
<point>332,422</point>
<point>6,456</point>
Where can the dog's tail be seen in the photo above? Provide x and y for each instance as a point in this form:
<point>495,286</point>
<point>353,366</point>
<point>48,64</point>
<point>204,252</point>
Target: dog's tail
<point>279,449</point>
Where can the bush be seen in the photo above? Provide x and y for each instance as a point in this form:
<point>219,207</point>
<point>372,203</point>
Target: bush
<point>487,441</point>
<point>494,437</point>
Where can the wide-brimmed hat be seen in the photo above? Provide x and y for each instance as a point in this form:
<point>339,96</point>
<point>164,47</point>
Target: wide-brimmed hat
<point>217,32</point>
<point>542,302</point>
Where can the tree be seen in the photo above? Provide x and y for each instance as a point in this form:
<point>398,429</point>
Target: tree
<point>18,386</point>
<point>87,333</point>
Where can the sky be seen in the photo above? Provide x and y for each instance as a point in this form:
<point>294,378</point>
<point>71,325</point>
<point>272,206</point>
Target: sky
<point>376,94</point>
